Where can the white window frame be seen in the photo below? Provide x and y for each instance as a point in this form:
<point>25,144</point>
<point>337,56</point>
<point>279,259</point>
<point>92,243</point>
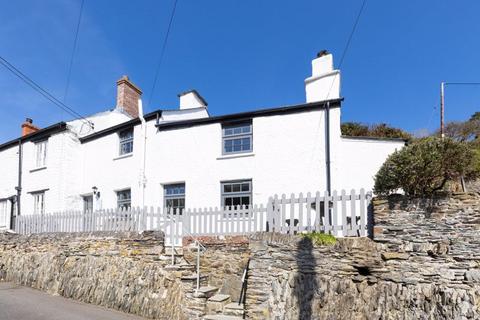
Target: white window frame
<point>41,148</point>
<point>4,213</point>
<point>122,141</point>
<point>229,135</point>
<point>173,197</point>
<point>236,194</point>
<point>124,203</point>
<point>38,202</point>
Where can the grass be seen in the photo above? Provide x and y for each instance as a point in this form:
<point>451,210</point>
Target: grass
<point>320,239</point>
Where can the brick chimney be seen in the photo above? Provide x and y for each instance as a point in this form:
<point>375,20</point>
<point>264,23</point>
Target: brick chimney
<point>127,96</point>
<point>28,127</point>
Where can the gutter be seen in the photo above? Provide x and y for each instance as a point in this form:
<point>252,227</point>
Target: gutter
<point>19,184</point>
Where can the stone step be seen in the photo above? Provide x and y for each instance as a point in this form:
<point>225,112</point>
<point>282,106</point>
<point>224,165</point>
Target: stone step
<point>216,303</point>
<point>177,251</point>
<point>193,277</point>
<point>221,317</point>
<point>206,291</point>
<point>234,309</point>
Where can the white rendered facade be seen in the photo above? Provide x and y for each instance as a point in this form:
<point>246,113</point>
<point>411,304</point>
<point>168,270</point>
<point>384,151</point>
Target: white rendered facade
<point>287,154</point>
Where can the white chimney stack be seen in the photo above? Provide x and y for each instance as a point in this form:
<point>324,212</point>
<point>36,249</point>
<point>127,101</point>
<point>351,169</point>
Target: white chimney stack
<point>324,84</point>
<point>191,99</point>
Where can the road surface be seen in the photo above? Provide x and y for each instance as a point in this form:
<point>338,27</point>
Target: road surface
<point>21,303</point>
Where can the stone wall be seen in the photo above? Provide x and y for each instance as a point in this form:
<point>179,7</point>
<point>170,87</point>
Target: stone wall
<point>223,261</point>
<point>123,271</point>
<point>422,264</point>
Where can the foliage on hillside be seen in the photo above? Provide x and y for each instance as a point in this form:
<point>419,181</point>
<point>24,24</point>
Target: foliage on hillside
<point>381,130</point>
<point>426,165</point>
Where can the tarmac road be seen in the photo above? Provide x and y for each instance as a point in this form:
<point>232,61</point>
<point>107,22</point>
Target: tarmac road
<point>21,303</point>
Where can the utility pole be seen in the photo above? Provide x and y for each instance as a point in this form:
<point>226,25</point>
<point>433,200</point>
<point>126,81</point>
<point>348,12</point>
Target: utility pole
<point>442,110</point>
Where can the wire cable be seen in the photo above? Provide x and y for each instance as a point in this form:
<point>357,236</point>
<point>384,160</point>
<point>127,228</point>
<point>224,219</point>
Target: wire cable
<point>347,45</point>
<point>75,41</point>
<point>42,91</point>
<point>162,52</point>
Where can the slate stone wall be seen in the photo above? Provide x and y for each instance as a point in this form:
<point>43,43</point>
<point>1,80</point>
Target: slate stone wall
<point>422,264</point>
<point>116,270</point>
<point>224,261</point>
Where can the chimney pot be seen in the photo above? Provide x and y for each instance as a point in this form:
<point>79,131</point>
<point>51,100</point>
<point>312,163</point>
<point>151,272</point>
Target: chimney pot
<point>28,127</point>
<point>127,96</point>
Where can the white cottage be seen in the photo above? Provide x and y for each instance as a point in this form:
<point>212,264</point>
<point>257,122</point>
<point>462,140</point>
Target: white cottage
<point>187,158</point>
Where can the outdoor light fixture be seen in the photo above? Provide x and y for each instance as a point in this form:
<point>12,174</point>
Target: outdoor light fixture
<point>95,190</point>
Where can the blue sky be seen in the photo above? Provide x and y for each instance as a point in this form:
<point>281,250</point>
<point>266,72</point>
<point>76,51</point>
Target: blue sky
<point>242,55</point>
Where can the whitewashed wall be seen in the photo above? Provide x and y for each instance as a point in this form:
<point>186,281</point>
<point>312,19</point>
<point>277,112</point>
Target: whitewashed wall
<point>59,176</point>
<point>359,160</point>
<point>281,161</point>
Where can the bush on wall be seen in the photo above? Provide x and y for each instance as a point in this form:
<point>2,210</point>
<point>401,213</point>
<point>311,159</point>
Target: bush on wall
<point>425,166</point>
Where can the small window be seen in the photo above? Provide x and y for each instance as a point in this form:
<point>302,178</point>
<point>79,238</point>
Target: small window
<point>87,203</point>
<point>237,138</point>
<point>41,153</point>
<point>3,213</point>
<point>174,197</point>
<point>124,200</point>
<point>126,141</point>
<point>38,202</point>
<point>237,193</point>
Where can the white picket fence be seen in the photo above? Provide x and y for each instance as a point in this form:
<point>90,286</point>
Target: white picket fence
<point>340,214</point>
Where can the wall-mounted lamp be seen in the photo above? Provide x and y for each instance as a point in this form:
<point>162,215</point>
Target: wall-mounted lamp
<point>95,191</point>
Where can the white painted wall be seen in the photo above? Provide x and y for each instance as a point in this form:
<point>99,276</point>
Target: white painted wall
<point>359,161</point>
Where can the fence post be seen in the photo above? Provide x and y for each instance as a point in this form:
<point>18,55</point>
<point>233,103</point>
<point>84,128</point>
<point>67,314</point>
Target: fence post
<point>269,227</point>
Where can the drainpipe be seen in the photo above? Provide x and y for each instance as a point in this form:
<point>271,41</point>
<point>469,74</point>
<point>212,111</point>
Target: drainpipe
<point>327,148</point>
<point>143,178</point>
<point>19,184</point>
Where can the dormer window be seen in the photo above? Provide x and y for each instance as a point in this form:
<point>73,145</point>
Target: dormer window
<point>126,141</point>
<point>237,138</point>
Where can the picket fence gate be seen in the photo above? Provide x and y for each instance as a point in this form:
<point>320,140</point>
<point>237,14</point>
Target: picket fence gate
<point>340,214</point>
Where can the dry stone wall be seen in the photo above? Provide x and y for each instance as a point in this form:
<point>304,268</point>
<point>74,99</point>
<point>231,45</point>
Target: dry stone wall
<point>123,271</point>
<point>423,264</point>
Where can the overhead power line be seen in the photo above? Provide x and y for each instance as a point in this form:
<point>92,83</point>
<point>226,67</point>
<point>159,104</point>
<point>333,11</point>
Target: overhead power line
<point>162,52</point>
<point>347,44</point>
<point>69,73</point>
<point>354,28</point>
<point>42,91</point>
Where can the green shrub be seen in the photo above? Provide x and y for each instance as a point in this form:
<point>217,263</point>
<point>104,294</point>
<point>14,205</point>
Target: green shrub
<point>380,130</point>
<point>425,166</point>
<point>320,239</point>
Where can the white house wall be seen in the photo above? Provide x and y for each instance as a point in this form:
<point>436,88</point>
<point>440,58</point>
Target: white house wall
<point>279,163</point>
<point>359,160</point>
<point>8,172</point>
<point>58,177</point>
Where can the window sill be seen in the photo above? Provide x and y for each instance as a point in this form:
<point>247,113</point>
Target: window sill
<point>38,169</point>
<point>236,155</point>
<point>123,156</point>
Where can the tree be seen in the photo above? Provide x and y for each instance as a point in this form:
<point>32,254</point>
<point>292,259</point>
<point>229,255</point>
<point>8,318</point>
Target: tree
<point>466,131</point>
<point>381,130</point>
<point>425,166</point>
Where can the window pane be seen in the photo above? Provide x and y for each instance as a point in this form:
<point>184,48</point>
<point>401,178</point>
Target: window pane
<point>236,187</point>
<point>245,200</point>
<point>245,187</point>
<point>227,188</point>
